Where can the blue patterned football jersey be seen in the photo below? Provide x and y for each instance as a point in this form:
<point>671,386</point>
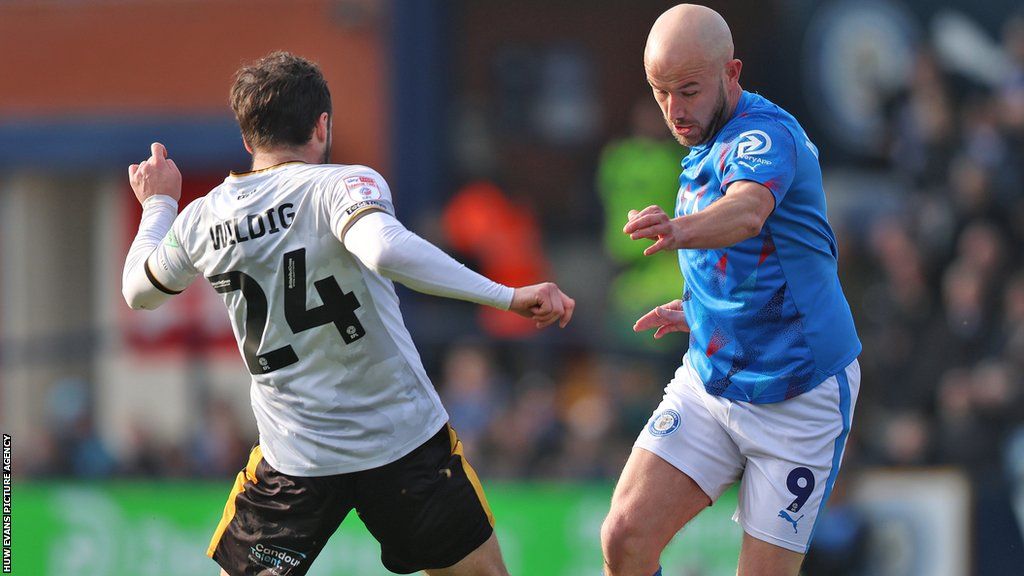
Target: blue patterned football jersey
<point>768,319</point>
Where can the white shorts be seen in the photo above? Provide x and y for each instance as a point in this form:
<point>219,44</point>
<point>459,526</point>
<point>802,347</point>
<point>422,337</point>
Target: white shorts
<point>786,455</point>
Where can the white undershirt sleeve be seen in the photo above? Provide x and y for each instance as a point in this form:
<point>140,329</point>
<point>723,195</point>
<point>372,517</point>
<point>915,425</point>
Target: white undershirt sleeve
<point>387,247</point>
<point>141,287</point>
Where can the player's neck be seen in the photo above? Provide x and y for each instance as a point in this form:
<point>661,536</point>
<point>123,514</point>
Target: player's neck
<point>266,158</point>
<point>733,99</point>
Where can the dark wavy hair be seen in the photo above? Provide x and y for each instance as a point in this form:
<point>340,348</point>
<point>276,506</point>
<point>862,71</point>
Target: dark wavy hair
<point>278,99</point>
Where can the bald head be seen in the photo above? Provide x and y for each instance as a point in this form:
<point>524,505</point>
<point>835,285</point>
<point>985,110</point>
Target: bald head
<point>691,69</point>
<point>688,34</point>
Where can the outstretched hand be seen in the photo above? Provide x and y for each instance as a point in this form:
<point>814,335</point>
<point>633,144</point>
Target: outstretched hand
<point>158,174</point>
<point>543,303</point>
<point>667,318</point>
<point>654,224</point>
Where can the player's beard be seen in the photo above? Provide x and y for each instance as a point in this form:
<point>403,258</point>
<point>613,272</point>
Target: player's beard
<point>326,158</point>
<point>713,126</point>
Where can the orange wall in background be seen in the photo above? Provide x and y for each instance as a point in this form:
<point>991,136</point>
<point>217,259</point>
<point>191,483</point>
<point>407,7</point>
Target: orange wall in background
<point>177,57</point>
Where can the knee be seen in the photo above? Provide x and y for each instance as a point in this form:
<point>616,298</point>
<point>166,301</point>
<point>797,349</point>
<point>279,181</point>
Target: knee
<point>625,544</point>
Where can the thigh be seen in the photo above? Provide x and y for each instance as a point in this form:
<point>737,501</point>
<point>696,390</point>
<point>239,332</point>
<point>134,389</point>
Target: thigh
<point>686,432</point>
<point>655,499</point>
<point>428,509</point>
<point>275,524</point>
<point>793,459</point>
<point>681,463</point>
<point>759,558</point>
<point>484,561</point>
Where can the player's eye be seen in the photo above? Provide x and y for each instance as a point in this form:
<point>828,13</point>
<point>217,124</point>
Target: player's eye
<point>689,94</point>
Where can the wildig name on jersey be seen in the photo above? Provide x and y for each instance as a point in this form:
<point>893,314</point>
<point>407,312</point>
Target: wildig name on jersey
<point>252,226</point>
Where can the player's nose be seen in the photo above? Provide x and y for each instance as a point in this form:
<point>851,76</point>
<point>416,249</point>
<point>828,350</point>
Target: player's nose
<point>676,107</point>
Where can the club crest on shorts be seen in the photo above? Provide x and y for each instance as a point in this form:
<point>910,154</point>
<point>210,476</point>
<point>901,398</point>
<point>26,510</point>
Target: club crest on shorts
<point>664,423</point>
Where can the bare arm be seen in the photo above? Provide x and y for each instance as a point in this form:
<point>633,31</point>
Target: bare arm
<point>738,215</point>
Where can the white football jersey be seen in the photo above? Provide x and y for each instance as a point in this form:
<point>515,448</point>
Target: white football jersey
<point>337,384</point>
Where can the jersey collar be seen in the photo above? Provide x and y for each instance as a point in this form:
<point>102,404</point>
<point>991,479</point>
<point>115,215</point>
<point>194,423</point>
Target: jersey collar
<point>251,172</point>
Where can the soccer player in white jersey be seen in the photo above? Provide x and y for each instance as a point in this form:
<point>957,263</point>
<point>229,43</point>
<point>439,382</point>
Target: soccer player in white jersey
<point>304,254</point>
<point>766,393</point>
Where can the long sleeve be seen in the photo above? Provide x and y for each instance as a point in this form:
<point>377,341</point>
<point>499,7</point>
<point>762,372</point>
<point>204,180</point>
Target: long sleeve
<point>387,247</point>
<point>142,284</point>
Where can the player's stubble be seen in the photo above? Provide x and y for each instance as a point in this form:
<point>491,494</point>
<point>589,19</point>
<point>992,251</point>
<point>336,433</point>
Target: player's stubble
<point>326,158</point>
<point>713,126</point>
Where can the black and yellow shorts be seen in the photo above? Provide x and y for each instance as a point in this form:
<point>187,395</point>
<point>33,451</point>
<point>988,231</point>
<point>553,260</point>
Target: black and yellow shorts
<point>426,509</point>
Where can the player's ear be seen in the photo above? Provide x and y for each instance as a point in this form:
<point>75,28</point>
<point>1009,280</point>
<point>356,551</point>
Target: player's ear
<point>246,144</point>
<point>732,70</point>
<point>323,127</point>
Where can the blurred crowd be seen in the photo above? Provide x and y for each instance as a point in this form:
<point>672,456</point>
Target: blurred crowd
<point>937,288</point>
<point>938,284</point>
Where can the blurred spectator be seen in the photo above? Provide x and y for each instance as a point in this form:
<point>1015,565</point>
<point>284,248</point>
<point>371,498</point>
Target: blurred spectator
<point>73,446</point>
<point>1011,330</point>
<point>634,172</point>
<point>960,436</point>
<point>472,391</point>
<point>841,535</point>
<point>921,125</point>
<point>972,192</point>
<point>219,448</point>
<point>897,308</point>
<point>906,440</point>
<point>523,439</point>
<point>590,417</point>
<point>962,334</point>
<point>981,246</point>
<point>1011,96</point>
<point>145,456</point>
<point>482,223</point>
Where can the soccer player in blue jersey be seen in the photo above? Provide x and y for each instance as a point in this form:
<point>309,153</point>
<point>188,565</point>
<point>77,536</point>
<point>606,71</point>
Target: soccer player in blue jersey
<point>766,391</point>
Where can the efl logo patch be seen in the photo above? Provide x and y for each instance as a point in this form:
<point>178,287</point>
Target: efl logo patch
<point>664,423</point>
<point>362,188</point>
<point>753,143</point>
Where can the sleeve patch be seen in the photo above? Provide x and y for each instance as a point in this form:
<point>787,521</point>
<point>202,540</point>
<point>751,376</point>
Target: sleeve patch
<point>172,240</point>
<point>362,188</point>
<point>359,206</point>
